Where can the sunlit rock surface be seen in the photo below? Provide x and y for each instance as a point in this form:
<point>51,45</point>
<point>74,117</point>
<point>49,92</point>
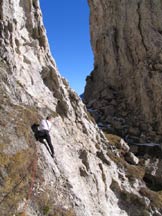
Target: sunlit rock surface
<point>89,175</point>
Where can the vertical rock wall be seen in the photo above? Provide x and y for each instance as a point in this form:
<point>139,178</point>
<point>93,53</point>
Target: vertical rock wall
<point>125,85</point>
<point>76,181</point>
<point>24,46</point>
<point>89,175</point>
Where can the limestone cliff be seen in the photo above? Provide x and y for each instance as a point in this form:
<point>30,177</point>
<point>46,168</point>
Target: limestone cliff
<point>125,85</point>
<point>89,175</point>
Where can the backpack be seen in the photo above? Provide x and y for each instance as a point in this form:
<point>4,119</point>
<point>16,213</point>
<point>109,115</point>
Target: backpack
<point>34,128</point>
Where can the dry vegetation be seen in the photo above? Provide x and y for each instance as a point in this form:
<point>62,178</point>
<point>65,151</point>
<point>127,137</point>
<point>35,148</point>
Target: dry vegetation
<point>15,164</point>
<point>155,197</point>
<point>112,138</point>
<point>15,178</point>
<point>132,172</point>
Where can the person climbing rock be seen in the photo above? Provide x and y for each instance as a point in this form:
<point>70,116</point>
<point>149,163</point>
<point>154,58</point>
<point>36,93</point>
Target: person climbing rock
<point>43,132</point>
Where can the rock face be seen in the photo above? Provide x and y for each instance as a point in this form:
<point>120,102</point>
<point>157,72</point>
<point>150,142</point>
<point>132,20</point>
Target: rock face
<point>125,85</point>
<point>88,176</point>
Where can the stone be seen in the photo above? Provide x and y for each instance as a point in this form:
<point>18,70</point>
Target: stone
<point>103,157</point>
<point>131,158</point>
<point>124,146</point>
<point>158,67</point>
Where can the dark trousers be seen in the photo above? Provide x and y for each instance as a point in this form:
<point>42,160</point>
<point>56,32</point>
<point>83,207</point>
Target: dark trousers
<point>44,134</point>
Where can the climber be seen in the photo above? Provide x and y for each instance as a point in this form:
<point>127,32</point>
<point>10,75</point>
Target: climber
<point>43,132</point>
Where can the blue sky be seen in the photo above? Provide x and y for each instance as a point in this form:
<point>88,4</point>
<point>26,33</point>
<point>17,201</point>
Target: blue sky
<point>67,26</point>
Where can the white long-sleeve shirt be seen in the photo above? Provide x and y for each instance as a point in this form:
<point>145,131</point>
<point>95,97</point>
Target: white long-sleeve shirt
<point>45,125</point>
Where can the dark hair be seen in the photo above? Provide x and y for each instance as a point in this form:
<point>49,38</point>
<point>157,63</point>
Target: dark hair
<point>49,117</point>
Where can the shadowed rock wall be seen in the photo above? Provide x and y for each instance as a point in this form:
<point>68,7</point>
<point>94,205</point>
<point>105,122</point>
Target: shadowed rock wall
<point>125,85</point>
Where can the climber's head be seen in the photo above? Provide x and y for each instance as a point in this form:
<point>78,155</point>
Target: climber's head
<point>49,118</point>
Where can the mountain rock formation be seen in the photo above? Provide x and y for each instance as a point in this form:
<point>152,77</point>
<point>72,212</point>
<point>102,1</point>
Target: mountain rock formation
<point>125,85</point>
<point>89,175</point>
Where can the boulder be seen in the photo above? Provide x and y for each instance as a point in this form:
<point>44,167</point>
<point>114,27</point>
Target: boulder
<point>131,158</point>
